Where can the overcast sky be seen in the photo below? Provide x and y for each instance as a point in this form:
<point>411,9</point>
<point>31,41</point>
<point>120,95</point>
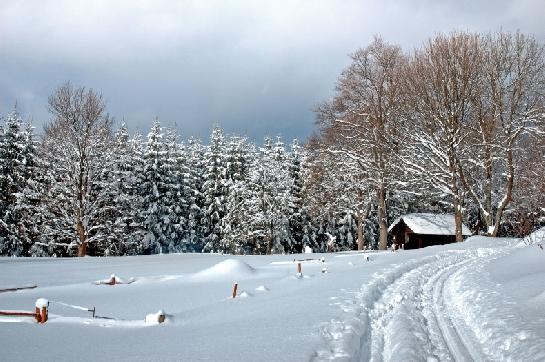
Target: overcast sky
<point>254,67</point>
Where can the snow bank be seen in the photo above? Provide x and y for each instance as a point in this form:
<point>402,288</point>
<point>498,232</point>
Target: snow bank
<point>495,319</point>
<point>537,236</point>
<point>477,300</point>
<point>229,269</point>
<point>245,295</point>
<point>262,288</point>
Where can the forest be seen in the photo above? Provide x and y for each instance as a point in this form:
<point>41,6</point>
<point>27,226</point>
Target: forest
<point>454,126</point>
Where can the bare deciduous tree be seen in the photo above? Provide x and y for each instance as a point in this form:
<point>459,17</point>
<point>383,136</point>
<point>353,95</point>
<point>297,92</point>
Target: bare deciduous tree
<point>507,108</point>
<point>362,119</point>
<point>441,83</point>
<point>77,140</point>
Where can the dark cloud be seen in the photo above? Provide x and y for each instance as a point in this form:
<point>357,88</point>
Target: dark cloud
<point>252,66</point>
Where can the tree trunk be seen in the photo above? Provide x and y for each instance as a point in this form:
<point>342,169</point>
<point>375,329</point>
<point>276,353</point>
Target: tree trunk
<point>489,174</point>
<point>383,238</point>
<point>508,193</point>
<point>359,217</point>
<point>270,241</point>
<point>456,199</point>
<point>269,247</point>
<point>82,247</point>
<point>457,211</point>
<point>458,223</point>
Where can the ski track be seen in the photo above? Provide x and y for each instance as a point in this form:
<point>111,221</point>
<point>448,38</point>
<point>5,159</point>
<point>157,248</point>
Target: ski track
<point>428,309</point>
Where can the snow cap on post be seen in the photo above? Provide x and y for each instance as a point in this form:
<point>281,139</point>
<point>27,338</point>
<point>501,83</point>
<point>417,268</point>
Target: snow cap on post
<point>42,302</point>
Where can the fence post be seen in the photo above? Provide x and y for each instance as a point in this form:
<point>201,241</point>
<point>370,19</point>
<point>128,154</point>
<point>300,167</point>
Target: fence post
<point>162,316</point>
<point>235,287</point>
<point>44,314</point>
<point>41,310</point>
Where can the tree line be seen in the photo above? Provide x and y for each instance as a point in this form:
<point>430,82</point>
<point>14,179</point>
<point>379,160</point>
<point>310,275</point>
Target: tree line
<point>85,188</point>
<point>454,126</point>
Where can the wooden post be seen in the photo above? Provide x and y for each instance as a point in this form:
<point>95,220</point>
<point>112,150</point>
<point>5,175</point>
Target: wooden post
<point>44,314</point>
<point>235,286</point>
<point>299,268</point>
<point>161,318</point>
<point>41,310</point>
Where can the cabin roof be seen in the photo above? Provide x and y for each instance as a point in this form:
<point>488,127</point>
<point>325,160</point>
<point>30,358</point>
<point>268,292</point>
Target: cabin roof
<point>430,224</point>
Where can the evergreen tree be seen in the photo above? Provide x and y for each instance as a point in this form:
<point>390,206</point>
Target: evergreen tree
<point>239,155</point>
<point>196,219</point>
<point>17,173</point>
<point>300,226</point>
<point>123,228</point>
<point>237,226</point>
<point>239,235</point>
<point>173,199</point>
<point>271,201</point>
<point>215,190</point>
<point>153,189</point>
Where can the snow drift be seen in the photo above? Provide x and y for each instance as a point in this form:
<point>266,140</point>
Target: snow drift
<point>482,299</point>
<point>230,269</point>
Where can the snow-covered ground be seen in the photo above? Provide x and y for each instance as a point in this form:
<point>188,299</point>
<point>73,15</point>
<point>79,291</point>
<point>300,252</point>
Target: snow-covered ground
<point>483,299</point>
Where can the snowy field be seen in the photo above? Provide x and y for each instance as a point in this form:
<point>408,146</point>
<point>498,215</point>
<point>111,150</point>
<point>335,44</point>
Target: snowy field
<point>483,299</point>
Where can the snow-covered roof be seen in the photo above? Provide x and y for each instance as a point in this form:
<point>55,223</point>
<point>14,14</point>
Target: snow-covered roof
<point>430,224</point>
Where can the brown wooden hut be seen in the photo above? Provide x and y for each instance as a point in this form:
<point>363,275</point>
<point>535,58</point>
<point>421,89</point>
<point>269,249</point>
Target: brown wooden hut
<point>418,230</point>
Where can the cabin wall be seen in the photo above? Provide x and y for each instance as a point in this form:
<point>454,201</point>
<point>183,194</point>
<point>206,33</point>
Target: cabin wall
<point>417,241</point>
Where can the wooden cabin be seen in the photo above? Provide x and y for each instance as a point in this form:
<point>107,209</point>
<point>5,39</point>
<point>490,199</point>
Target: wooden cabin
<point>418,230</point>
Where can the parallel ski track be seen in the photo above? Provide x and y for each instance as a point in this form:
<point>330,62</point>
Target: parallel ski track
<point>413,296</point>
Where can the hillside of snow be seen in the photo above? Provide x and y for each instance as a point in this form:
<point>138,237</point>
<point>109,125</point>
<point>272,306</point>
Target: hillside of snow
<point>483,299</point>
